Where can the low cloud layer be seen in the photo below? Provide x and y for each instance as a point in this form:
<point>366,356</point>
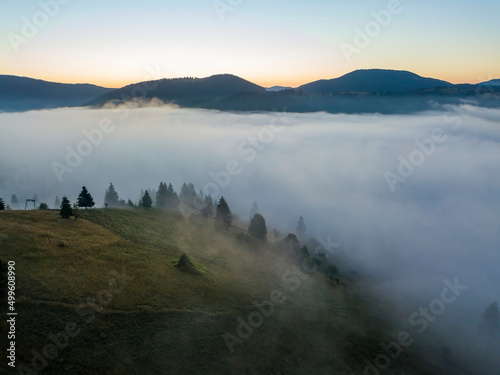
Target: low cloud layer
<point>412,199</point>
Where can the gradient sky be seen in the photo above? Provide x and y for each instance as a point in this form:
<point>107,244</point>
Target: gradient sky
<point>277,42</point>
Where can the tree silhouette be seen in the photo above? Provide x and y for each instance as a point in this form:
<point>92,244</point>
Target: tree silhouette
<point>223,216</point>
<point>130,203</point>
<point>172,198</point>
<point>111,197</point>
<point>57,203</point>
<point>188,194</point>
<point>146,200</point>
<point>66,210</point>
<point>491,320</point>
<point>301,228</point>
<point>208,206</point>
<point>43,206</point>
<point>162,195</point>
<point>14,203</point>
<point>258,228</point>
<point>85,199</point>
<point>2,205</point>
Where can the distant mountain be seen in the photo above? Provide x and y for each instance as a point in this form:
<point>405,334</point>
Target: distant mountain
<point>277,88</point>
<point>493,82</point>
<point>374,80</point>
<point>189,92</point>
<point>22,94</point>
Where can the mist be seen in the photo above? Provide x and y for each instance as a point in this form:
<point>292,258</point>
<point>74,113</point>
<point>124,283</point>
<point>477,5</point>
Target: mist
<point>412,199</point>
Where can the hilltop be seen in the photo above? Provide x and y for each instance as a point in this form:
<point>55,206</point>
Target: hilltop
<point>112,273</point>
<point>361,91</point>
<point>22,93</point>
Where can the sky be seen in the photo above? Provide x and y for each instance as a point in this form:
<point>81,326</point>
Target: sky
<point>288,43</point>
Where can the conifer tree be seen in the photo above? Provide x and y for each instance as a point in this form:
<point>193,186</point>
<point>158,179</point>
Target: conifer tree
<point>147,202</point>
<point>66,210</point>
<point>208,206</point>
<point>301,229</point>
<point>111,197</point>
<point>162,195</point>
<point>14,203</point>
<point>57,203</point>
<point>2,204</point>
<point>258,228</point>
<point>223,217</point>
<point>85,199</point>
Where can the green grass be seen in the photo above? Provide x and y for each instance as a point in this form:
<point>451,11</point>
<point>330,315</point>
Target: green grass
<point>165,321</point>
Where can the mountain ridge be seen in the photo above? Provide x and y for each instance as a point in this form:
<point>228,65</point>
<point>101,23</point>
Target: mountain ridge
<point>360,91</point>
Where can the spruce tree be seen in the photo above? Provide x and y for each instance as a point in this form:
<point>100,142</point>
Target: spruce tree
<point>130,203</point>
<point>223,217</point>
<point>2,205</point>
<point>162,195</point>
<point>85,199</point>
<point>301,229</point>
<point>111,197</point>
<point>146,200</point>
<point>57,203</point>
<point>14,203</point>
<point>208,207</point>
<point>172,198</point>
<point>66,210</point>
<point>491,320</point>
<point>258,228</point>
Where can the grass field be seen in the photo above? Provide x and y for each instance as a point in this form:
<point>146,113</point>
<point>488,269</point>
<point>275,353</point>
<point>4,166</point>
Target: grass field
<point>102,295</point>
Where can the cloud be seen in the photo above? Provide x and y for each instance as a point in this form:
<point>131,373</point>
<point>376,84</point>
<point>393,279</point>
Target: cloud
<point>441,222</point>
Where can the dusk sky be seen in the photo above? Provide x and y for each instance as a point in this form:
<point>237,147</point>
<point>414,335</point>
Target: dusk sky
<point>279,42</point>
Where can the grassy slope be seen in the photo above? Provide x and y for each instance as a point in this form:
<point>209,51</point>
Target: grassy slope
<point>165,321</point>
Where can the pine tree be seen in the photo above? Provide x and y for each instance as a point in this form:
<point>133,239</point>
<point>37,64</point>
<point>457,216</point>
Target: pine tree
<point>111,197</point>
<point>258,228</point>
<point>172,198</point>
<point>301,229</point>
<point>66,210</point>
<point>14,203</point>
<point>147,202</point>
<point>188,194</point>
<point>2,205</point>
<point>491,320</point>
<point>162,195</point>
<point>85,199</point>
<point>43,206</point>
<point>223,217</point>
<point>208,207</point>
<point>57,203</point>
<point>130,203</point>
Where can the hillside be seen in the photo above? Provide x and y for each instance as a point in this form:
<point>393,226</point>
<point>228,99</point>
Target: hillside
<point>190,92</point>
<point>374,80</point>
<point>22,94</point>
<point>112,274</point>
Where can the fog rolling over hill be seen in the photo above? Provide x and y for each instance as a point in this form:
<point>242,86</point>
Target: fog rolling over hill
<point>21,94</point>
<point>413,200</point>
<point>361,91</point>
<point>189,92</point>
